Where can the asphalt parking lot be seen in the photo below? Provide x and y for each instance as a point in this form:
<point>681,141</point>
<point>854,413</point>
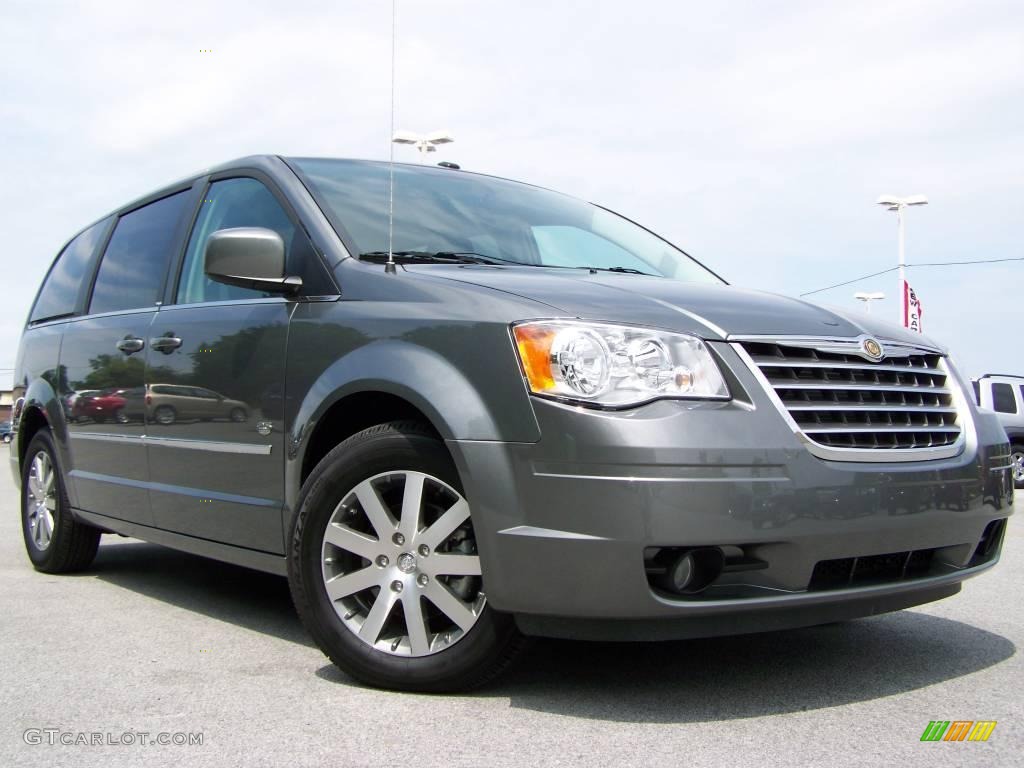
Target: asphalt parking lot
<point>153,641</point>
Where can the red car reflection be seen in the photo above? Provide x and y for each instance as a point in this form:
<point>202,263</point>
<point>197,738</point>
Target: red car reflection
<point>100,406</point>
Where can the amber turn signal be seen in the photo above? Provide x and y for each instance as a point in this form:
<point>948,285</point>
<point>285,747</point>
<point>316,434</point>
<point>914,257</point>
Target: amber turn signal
<point>534,345</point>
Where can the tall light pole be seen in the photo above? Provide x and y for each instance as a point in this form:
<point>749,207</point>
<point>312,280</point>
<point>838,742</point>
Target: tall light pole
<point>899,204</point>
<point>867,298</point>
<point>423,142</point>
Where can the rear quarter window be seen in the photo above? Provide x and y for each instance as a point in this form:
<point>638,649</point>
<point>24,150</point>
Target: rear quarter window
<point>63,284</point>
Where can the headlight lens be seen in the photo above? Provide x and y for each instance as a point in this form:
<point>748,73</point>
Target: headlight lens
<point>615,365</point>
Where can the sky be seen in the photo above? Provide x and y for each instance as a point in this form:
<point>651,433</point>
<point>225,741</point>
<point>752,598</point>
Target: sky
<point>755,135</point>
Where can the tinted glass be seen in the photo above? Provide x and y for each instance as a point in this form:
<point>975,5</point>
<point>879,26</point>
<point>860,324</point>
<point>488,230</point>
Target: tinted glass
<point>229,203</point>
<point>60,291</point>
<point>1002,398</point>
<point>245,202</point>
<point>445,210</point>
<point>135,262</point>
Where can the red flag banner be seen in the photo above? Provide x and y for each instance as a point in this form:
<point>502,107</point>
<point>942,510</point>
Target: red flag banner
<point>912,309</point>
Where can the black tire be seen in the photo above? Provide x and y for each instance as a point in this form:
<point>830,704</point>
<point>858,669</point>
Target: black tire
<point>1016,452</point>
<point>72,545</point>
<point>165,415</point>
<point>121,417</point>
<point>238,415</point>
<point>485,650</point>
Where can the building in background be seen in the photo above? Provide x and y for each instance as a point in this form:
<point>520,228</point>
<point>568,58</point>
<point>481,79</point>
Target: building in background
<point>6,403</point>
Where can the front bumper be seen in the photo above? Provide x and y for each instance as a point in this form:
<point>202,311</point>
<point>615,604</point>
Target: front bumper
<point>563,524</point>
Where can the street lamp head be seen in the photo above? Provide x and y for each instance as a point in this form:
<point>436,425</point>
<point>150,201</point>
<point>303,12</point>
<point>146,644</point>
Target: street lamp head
<point>430,140</point>
<point>873,296</point>
<point>405,137</point>
<point>439,137</point>
<point>894,203</point>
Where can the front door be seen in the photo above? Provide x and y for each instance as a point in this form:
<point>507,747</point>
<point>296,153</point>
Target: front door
<point>214,374</point>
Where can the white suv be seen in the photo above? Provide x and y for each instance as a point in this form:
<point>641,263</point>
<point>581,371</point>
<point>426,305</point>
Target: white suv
<point>1004,394</point>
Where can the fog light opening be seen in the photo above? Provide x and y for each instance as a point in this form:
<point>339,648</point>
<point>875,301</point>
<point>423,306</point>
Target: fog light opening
<point>693,570</point>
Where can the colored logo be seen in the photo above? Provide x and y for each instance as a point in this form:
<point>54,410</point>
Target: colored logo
<point>872,349</point>
<point>958,730</point>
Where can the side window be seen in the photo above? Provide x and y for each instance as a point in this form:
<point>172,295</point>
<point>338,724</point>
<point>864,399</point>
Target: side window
<point>1002,399</point>
<point>132,271</point>
<point>243,202</point>
<point>1021,388</point>
<point>60,291</point>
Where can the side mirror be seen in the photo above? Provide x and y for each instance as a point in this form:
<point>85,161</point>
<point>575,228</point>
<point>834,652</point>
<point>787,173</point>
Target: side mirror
<point>250,257</point>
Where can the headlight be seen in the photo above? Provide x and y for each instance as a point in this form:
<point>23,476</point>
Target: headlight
<point>615,365</point>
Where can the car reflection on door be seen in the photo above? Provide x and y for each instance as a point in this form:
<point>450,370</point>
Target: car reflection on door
<point>168,404</point>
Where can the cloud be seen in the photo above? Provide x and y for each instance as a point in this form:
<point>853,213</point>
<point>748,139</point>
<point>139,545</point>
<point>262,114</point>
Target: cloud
<point>755,135</point>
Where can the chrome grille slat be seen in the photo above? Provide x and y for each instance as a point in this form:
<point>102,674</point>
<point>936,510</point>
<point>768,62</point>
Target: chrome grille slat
<point>903,405</point>
<point>855,408</point>
<point>871,429</point>
<point>774,363</point>
<point>843,387</point>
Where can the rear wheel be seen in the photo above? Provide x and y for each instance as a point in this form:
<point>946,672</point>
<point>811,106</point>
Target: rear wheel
<point>54,540</point>
<point>384,569</point>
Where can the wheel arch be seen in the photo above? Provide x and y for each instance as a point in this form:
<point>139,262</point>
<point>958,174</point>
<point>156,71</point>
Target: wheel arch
<point>417,381</point>
<point>387,380</point>
<point>352,413</point>
<point>1015,435</point>
<point>40,409</point>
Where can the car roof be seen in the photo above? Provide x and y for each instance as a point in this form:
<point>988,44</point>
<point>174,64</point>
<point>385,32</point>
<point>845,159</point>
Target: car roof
<point>270,164</point>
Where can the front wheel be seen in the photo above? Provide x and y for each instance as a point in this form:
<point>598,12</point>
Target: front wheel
<point>384,569</point>
<point>1017,460</point>
<point>165,415</point>
<point>54,540</point>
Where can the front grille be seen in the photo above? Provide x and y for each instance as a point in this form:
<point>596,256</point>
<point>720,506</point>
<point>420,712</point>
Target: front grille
<point>840,400</point>
<point>874,569</point>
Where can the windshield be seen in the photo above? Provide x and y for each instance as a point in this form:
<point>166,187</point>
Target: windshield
<point>443,211</point>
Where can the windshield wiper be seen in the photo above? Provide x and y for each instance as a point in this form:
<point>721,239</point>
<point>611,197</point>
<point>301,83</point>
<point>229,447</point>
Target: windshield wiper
<point>623,270</point>
<point>436,257</point>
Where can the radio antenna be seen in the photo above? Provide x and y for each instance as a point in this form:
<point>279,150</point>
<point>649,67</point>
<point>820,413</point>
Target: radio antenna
<point>390,266</point>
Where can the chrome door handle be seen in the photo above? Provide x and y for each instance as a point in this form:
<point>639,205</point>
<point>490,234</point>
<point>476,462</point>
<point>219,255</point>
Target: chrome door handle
<point>165,344</point>
<point>130,345</point>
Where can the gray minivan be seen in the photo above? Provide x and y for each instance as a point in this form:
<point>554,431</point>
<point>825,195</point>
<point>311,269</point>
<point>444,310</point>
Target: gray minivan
<point>507,413</point>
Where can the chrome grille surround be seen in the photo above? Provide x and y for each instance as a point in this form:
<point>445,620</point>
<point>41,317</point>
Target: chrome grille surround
<point>846,405</point>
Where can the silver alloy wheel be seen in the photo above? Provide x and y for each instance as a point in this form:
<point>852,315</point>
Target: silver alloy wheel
<point>1017,458</point>
<point>403,538</point>
<point>41,500</point>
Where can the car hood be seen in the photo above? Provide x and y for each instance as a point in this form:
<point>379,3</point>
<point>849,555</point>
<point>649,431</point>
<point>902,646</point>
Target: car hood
<point>711,311</point>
